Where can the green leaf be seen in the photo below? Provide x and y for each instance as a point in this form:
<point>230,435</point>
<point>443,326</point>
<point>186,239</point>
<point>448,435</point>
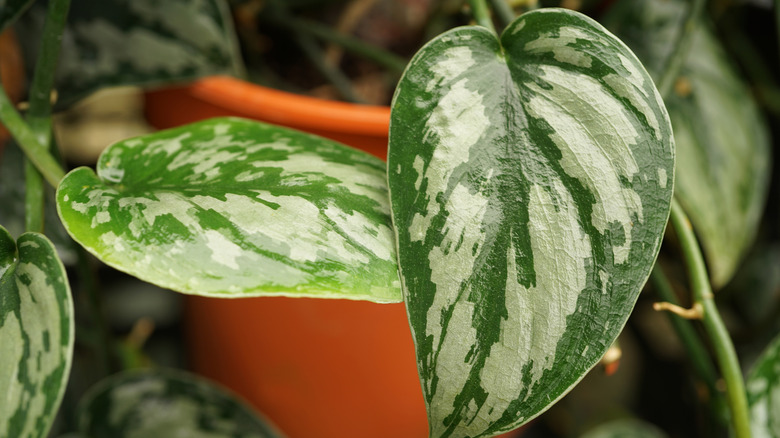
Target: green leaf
<point>625,428</point>
<point>530,180</point>
<point>156,403</point>
<point>722,139</point>
<point>10,10</point>
<point>763,392</point>
<point>235,208</point>
<point>140,42</point>
<point>36,334</point>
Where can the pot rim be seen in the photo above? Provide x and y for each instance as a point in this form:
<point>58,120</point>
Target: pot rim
<point>281,107</point>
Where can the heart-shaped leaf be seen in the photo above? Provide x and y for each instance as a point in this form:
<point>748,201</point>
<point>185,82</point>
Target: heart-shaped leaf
<point>36,334</point>
<point>722,140</point>
<point>763,392</point>
<point>140,42</point>
<point>156,403</point>
<point>235,208</point>
<point>530,180</point>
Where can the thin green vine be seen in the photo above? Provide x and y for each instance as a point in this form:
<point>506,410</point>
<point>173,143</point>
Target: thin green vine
<point>481,13</point>
<point>723,348</point>
<point>39,113</point>
<point>28,141</point>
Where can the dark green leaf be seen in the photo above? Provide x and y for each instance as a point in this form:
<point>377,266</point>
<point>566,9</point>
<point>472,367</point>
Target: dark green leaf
<point>722,140</point>
<point>139,42</point>
<point>235,208</point>
<point>158,403</point>
<point>530,182</point>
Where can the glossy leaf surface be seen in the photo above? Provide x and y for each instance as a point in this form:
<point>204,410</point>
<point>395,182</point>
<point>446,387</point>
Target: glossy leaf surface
<point>140,42</point>
<point>530,182</point>
<point>235,208</point>
<point>36,334</point>
<point>157,403</point>
<point>10,10</point>
<point>722,139</point>
<point>763,391</point>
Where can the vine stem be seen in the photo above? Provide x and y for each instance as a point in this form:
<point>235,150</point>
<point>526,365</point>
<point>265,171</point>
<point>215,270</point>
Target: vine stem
<point>700,358</point>
<point>481,13</point>
<point>39,113</point>
<point>723,348</point>
<point>37,153</point>
<point>681,48</point>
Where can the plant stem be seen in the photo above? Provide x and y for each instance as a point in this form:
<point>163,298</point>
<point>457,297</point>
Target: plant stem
<point>681,48</point>
<point>481,13</point>
<point>700,358</point>
<point>382,57</point>
<point>39,113</point>
<point>504,12</point>
<point>33,198</point>
<point>334,75</point>
<point>37,153</point>
<point>725,354</point>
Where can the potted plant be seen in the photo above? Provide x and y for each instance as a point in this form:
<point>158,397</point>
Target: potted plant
<point>529,180</point>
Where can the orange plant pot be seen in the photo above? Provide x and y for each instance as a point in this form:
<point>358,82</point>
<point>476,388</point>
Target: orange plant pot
<point>317,368</point>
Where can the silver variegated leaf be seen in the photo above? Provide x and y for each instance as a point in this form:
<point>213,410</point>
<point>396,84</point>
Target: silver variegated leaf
<point>36,334</point>
<point>139,42</point>
<point>530,179</point>
<point>236,208</point>
<point>722,139</point>
<point>763,392</point>
<point>157,403</point>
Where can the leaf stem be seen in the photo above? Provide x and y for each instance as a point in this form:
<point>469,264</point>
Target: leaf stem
<point>503,11</point>
<point>725,354</point>
<point>481,13</point>
<point>35,151</point>
<point>384,58</point>
<point>681,48</point>
<point>39,113</point>
<point>700,358</point>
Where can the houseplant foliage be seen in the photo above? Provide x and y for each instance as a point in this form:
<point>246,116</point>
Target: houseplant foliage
<point>169,403</point>
<point>530,178</point>
<point>722,139</point>
<point>229,207</point>
<point>529,182</point>
<point>36,329</point>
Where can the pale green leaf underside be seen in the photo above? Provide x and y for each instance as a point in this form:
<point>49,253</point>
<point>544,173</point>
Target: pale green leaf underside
<point>763,392</point>
<point>140,42</point>
<point>530,185</point>
<point>156,403</point>
<point>722,139</point>
<point>236,208</point>
<point>625,428</point>
<point>36,334</point>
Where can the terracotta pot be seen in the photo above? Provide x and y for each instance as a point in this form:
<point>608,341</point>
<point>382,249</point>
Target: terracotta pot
<point>11,73</point>
<point>317,368</point>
